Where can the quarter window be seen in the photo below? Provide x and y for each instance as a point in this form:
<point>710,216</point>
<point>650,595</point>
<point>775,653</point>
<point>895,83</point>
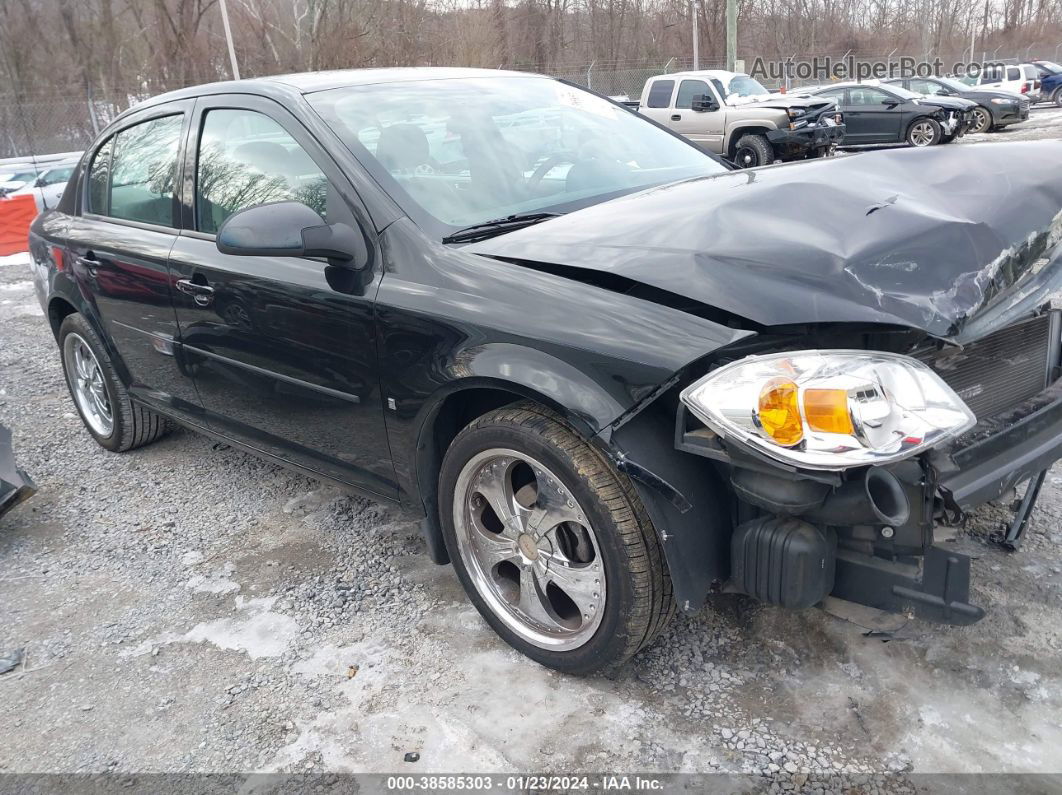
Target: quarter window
<point>246,159</point>
<point>100,179</point>
<point>660,94</point>
<point>134,173</point>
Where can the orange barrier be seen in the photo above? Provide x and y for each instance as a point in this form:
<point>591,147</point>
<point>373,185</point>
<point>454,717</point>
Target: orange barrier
<point>16,215</point>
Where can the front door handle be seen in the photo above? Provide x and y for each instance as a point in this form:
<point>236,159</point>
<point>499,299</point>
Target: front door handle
<point>201,293</point>
<point>676,117</point>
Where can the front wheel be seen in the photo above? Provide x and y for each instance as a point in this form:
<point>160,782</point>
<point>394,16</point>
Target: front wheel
<point>1057,98</point>
<point>551,543</point>
<point>753,150</point>
<point>982,120</point>
<point>923,132</point>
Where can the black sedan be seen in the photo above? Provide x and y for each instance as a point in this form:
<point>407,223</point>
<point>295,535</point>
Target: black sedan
<point>611,376</point>
<point>878,114</point>
<point>995,109</point>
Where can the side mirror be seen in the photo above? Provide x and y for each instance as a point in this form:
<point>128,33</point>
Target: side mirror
<point>291,229</point>
<point>40,183</point>
<point>889,103</point>
<point>704,103</point>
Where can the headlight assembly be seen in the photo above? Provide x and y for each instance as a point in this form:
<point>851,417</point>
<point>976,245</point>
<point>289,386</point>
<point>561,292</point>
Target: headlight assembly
<point>830,409</point>
<point>1002,101</point>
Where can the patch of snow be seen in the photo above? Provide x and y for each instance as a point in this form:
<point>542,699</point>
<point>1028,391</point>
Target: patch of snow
<point>262,633</point>
<point>21,258</point>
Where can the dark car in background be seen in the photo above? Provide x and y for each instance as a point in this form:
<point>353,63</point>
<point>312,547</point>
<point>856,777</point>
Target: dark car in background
<point>1050,81</point>
<point>610,375</point>
<point>879,114</point>
<point>995,109</point>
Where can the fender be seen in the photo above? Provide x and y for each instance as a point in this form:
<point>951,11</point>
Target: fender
<point>506,369</point>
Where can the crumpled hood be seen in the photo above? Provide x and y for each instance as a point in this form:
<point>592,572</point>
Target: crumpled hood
<point>782,101</point>
<point>953,240</point>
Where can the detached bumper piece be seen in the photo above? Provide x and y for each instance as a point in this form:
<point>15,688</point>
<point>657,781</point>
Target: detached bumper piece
<point>939,595</point>
<point>15,485</point>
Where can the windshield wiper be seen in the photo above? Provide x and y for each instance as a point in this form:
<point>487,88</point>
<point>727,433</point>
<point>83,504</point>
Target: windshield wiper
<point>496,227</point>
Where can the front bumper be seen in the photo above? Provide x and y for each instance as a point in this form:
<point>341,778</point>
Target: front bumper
<point>799,143</point>
<point>1003,115</point>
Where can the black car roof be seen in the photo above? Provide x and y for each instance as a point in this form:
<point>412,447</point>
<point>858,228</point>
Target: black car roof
<point>278,86</point>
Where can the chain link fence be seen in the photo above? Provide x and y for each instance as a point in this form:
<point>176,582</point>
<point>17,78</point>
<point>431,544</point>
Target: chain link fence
<point>45,124</point>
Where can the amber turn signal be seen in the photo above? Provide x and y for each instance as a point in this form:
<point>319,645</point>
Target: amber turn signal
<point>827,410</point>
<point>779,412</point>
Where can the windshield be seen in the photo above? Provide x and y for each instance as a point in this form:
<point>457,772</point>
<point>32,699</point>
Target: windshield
<point>458,152</point>
<point>745,86</point>
<point>1050,66</point>
<point>954,85</point>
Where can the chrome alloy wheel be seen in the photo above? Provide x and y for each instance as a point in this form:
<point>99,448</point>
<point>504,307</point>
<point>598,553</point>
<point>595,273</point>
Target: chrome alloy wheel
<point>86,381</point>
<point>529,549</point>
<point>922,134</point>
<point>982,120</point>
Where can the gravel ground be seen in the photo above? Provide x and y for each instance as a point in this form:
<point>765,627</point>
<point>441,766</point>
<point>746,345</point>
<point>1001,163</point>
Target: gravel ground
<point>186,607</point>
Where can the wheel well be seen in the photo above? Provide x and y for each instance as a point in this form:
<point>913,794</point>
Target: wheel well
<point>58,310</point>
<point>456,411</point>
<point>736,136</point>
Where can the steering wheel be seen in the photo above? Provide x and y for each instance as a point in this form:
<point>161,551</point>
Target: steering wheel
<point>548,165</point>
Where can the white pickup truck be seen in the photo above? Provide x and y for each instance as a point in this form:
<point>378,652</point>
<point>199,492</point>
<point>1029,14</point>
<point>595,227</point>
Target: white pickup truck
<point>733,115</point>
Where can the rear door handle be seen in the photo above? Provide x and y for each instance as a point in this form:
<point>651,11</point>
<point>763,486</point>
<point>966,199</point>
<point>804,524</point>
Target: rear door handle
<point>201,294</point>
<point>89,261</point>
<point>676,117</point>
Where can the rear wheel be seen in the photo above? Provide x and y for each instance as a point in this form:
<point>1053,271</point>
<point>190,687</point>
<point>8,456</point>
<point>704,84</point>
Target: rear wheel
<point>753,150</point>
<point>114,421</point>
<point>923,132</point>
<point>982,120</point>
<point>1057,98</point>
<point>551,543</point>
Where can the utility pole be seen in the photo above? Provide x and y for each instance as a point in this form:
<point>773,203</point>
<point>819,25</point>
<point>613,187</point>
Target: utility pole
<point>228,40</point>
<point>696,37</point>
<point>731,34</point>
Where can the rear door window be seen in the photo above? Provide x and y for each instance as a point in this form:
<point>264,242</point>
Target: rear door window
<point>246,159</point>
<point>133,175</point>
<point>660,94</point>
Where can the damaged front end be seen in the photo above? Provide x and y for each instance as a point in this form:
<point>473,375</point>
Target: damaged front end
<point>866,531</point>
<point>15,485</point>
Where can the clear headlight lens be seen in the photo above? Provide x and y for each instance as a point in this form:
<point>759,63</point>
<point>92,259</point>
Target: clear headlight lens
<point>830,409</point>
<point>1002,101</point>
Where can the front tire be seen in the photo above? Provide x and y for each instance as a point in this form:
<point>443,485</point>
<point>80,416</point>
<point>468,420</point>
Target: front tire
<point>923,132</point>
<point>1057,98</point>
<point>982,120</point>
<point>551,543</point>
<point>753,150</point>
<point>114,421</point>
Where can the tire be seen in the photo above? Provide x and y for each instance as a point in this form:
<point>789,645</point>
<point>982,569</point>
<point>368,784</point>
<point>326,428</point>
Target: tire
<point>1057,97</point>
<point>982,120</point>
<point>752,150</point>
<point>600,544</point>
<point>114,421</point>
<point>923,132</point>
